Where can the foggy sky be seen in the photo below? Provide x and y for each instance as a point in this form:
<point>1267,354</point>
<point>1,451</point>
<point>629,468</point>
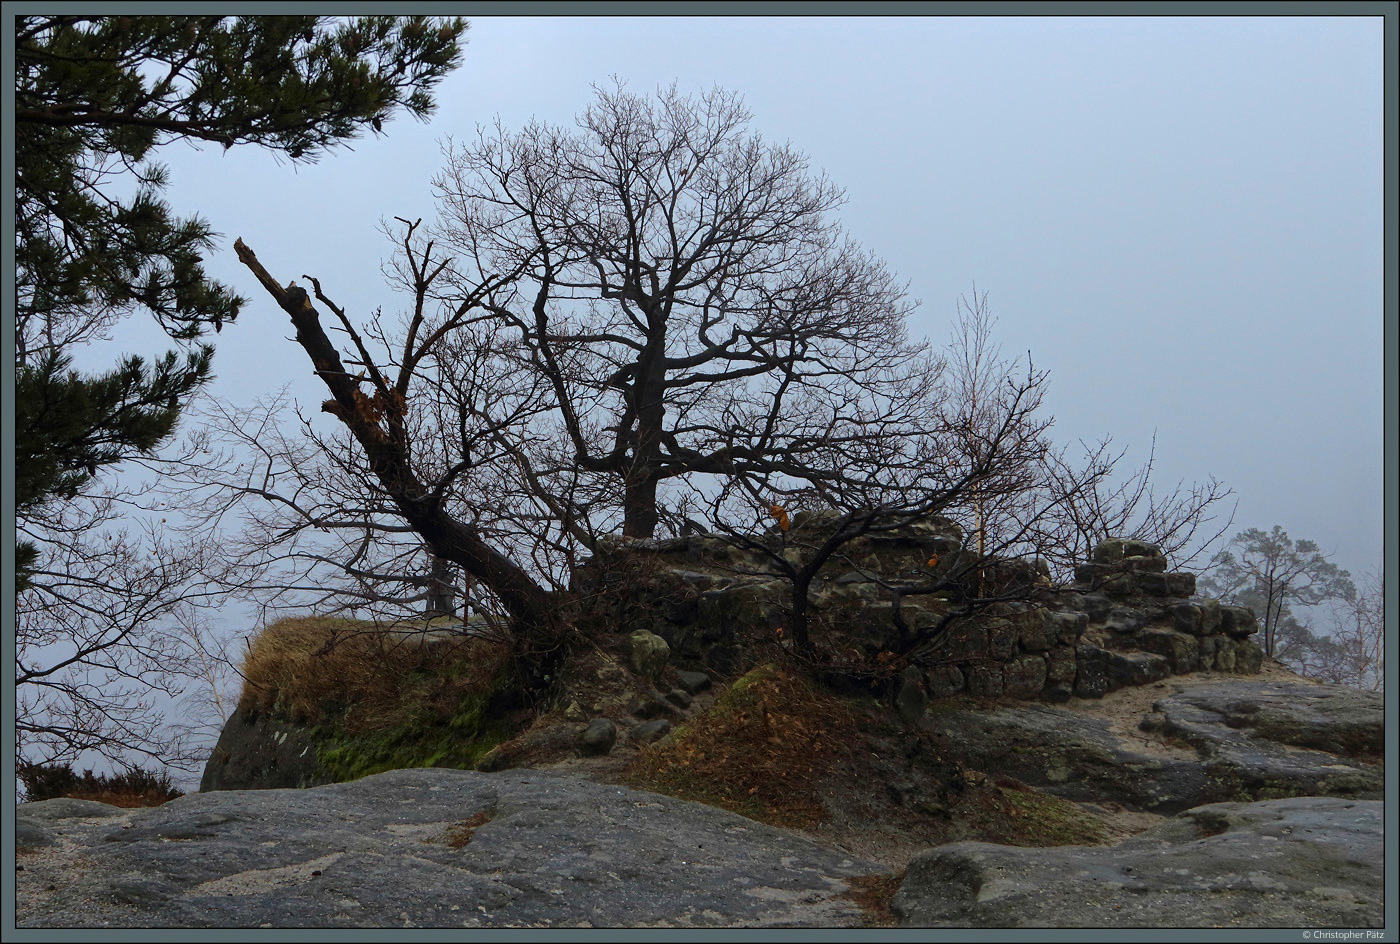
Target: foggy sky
<point>1179,218</point>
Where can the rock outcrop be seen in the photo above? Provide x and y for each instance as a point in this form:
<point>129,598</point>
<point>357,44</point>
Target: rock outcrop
<point>525,848</point>
<point>1206,743</point>
<point>1308,862</point>
<point>429,849</point>
<point>265,750</point>
<point>715,603</point>
<point>1123,621</point>
<point>1101,707</point>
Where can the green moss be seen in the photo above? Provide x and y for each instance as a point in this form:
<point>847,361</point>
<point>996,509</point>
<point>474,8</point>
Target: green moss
<point>372,700</point>
<point>424,737</point>
<point>738,695</point>
<point>1040,819</point>
<point>459,742</point>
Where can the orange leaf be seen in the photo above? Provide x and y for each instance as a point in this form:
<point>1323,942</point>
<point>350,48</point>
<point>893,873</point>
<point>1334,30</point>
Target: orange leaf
<point>777,511</point>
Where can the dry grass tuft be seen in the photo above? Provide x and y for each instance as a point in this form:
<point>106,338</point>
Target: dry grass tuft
<point>873,893</point>
<point>459,834</point>
<point>760,751</point>
<point>364,675</point>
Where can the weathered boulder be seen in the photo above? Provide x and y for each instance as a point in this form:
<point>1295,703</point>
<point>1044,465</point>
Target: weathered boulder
<point>693,682</point>
<point>1265,739</point>
<point>32,830</point>
<point>647,653</point>
<point>650,731</point>
<point>1307,862</point>
<point>262,749</point>
<point>1069,755</point>
<point>597,737</point>
<point>434,848</point>
<point>1207,743</point>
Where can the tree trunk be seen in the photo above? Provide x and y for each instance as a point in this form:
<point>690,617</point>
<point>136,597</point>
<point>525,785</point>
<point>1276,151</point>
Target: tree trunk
<point>537,621</point>
<point>640,517</point>
<point>440,590</point>
<point>639,514</point>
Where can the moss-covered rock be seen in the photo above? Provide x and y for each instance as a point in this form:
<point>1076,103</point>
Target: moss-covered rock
<point>336,700</point>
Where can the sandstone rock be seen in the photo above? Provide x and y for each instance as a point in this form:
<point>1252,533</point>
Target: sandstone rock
<point>1126,619</point>
<point>1180,585</point>
<point>1238,621</point>
<point>1115,550</point>
<point>263,752</point>
<point>944,680</point>
<point>693,682</point>
<point>1224,654</point>
<point>651,731</point>
<point>67,808</point>
<point>1037,630</point>
<point>1060,670</point>
<point>1181,650</point>
<point>597,738</point>
<point>34,829</point>
<point>1249,658</point>
<point>1283,737</point>
<point>911,698</point>
<point>1136,668</point>
<point>1001,639</point>
<point>1070,755</point>
<point>1210,616</point>
<point>646,706</point>
<point>1251,740</point>
<point>647,653</point>
<point>986,680</point>
<point>440,849</point>
<point>1025,677</point>
<point>1186,618</point>
<point>1307,862</point>
<point>1091,675</point>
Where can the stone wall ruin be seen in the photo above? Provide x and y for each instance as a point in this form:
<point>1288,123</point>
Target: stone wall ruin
<point>1124,620</point>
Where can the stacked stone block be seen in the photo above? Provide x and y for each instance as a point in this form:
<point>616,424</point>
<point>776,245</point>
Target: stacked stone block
<point>1125,620</point>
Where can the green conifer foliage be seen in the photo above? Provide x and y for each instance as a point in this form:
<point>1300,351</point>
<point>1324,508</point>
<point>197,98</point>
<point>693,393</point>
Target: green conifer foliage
<point>95,97</point>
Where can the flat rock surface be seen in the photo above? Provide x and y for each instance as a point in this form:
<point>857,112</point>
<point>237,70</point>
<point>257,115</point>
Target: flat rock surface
<point>426,848</point>
<point>1282,737</point>
<point>1205,740</point>
<point>1303,862</point>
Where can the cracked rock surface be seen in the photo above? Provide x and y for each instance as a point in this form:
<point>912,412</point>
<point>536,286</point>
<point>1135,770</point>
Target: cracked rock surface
<point>552,848</point>
<point>1302,862</point>
<point>1186,745</point>
<point>427,848</point>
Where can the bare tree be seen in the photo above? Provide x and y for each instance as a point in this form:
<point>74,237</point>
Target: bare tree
<point>1358,633</point>
<point>651,321</point>
<point>1075,499</point>
<point>682,287</point>
<point>299,528</point>
<point>1271,575</point>
<point>101,630</point>
<point>609,326</point>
